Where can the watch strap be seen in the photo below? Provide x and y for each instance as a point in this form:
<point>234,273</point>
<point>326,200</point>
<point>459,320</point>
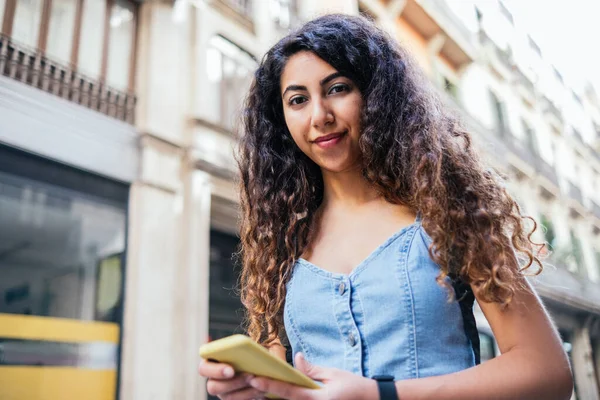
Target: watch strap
<point>387,387</point>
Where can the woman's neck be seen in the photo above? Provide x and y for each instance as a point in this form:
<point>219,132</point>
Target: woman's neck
<point>348,189</point>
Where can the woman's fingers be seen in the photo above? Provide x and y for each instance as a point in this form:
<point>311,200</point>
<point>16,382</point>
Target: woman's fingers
<point>285,390</point>
<point>217,387</point>
<point>213,370</point>
<point>244,394</point>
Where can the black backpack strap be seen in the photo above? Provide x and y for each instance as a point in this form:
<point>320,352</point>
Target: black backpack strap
<point>466,299</point>
<point>289,357</point>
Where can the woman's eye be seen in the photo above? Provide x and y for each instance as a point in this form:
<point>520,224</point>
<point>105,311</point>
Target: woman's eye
<point>338,88</point>
<point>297,100</point>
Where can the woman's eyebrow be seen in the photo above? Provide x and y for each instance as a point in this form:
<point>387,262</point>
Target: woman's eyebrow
<point>323,81</point>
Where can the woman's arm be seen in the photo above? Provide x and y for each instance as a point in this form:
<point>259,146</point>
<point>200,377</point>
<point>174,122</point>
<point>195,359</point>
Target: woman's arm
<point>533,364</point>
<point>277,349</point>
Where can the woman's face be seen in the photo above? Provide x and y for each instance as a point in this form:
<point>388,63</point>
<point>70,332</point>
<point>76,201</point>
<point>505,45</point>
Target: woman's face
<point>322,111</point>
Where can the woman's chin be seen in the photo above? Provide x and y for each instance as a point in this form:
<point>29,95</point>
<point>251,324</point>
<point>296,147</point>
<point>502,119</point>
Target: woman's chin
<point>339,167</point>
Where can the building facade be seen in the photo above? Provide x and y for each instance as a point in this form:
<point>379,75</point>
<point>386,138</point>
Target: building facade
<point>118,201</point>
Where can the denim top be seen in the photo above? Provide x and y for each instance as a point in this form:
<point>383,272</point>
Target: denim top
<point>389,316</point>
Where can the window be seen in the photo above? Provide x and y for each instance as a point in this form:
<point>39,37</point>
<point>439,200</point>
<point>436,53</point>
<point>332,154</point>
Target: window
<point>499,113</point>
<point>229,70</point>
<point>284,12</point>
<point>558,75</point>
<point>224,303</point>
<point>534,46</point>
<point>506,12</point>
<point>478,14</point>
<point>576,252</point>
<point>61,30</point>
<point>548,228</point>
<point>26,25</point>
<point>244,7</point>
<point>92,38</point>
<point>79,50</point>
<point>121,36</point>
<point>450,88</point>
<point>62,243</point>
<point>530,138</point>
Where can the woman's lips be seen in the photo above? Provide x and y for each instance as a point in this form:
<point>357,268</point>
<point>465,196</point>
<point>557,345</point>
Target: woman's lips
<point>330,140</point>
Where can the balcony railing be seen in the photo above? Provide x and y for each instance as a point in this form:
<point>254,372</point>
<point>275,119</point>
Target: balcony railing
<point>575,193</point>
<point>31,67</point>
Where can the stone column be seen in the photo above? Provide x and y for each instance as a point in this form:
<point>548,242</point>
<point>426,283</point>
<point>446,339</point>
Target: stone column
<point>157,352</point>
<point>583,364</point>
<point>198,204</point>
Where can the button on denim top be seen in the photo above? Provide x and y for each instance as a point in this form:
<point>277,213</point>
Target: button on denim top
<point>389,316</point>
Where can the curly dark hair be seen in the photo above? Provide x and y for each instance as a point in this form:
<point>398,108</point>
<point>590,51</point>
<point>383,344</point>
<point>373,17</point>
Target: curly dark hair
<point>414,152</point>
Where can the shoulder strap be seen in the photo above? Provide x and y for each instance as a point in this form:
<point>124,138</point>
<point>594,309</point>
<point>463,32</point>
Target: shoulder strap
<point>466,298</point>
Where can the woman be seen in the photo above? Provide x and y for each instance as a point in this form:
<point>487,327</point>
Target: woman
<point>369,225</point>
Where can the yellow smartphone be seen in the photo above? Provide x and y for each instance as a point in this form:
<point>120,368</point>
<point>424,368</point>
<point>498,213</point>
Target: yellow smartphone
<point>245,355</point>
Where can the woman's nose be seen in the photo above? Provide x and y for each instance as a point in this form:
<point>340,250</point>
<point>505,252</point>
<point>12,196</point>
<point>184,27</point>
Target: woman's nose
<point>321,114</point>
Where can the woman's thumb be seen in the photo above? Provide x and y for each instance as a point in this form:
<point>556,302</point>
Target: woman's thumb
<point>312,371</point>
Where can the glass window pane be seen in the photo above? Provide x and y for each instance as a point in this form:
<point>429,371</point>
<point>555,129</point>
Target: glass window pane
<point>92,35</point>
<point>61,252</point>
<point>26,25</point>
<point>59,244</point>
<point>486,346</point>
<point>121,36</point>
<point>229,70</point>
<point>61,29</point>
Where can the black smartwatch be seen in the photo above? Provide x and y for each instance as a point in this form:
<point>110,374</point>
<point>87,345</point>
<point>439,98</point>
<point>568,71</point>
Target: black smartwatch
<point>387,387</point>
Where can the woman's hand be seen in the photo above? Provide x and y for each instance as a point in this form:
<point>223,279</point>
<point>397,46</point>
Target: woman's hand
<point>337,384</point>
<point>224,383</point>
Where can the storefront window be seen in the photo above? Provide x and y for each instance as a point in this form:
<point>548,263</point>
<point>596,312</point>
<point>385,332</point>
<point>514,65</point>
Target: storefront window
<point>226,311</point>
<point>92,37</point>
<point>61,30</point>
<point>26,25</point>
<point>61,280</point>
<point>121,39</point>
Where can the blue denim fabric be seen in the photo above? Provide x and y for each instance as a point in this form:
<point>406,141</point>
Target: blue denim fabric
<point>388,317</point>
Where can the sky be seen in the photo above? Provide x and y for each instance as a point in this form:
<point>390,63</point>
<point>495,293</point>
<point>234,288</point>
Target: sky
<point>567,32</point>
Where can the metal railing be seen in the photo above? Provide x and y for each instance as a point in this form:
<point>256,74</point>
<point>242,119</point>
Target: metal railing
<point>30,66</point>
